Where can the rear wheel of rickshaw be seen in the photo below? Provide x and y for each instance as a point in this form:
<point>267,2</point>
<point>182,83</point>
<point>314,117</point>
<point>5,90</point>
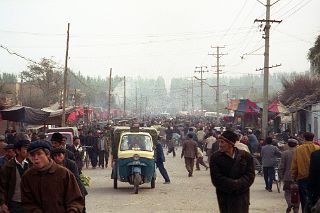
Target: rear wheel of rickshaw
<point>136,182</point>
<point>153,183</point>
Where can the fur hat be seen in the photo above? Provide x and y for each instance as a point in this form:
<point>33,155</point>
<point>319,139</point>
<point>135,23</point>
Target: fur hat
<point>229,137</point>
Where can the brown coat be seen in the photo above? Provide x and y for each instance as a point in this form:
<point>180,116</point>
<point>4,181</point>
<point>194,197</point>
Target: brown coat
<point>7,181</point>
<point>189,149</point>
<point>55,190</point>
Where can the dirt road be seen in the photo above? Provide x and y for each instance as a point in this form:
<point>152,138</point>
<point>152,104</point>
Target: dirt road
<point>184,194</point>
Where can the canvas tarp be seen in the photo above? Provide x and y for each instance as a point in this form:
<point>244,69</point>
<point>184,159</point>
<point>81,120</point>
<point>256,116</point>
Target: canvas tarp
<point>25,114</point>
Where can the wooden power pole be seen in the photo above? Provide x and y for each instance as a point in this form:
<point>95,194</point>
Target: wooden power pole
<point>109,95</point>
<point>266,67</point>
<point>218,72</point>
<point>65,82</point>
<point>201,71</point>
<point>124,96</point>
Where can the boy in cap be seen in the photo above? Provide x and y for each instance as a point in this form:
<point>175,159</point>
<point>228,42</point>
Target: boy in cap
<point>58,155</point>
<point>48,187</point>
<point>232,173</point>
<point>10,191</point>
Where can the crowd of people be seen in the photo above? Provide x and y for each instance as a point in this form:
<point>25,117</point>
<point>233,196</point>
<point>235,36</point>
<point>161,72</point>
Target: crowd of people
<point>230,154</point>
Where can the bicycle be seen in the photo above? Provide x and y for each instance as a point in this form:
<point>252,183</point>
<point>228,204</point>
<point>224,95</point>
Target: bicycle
<point>86,158</point>
<point>276,175</point>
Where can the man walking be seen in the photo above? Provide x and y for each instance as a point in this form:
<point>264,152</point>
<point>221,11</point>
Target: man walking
<point>10,192</point>
<point>269,155</point>
<point>159,162</point>
<point>103,149</point>
<point>232,173</point>
<point>48,187</point>
<point>189,151</point>
<point>93,149</point>
<point>285,174</point>
<point>300,166</point>
<point>253,142</point>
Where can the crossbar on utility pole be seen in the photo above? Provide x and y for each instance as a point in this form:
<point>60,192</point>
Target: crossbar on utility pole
<point>65,82</point>
<point>266,68</point>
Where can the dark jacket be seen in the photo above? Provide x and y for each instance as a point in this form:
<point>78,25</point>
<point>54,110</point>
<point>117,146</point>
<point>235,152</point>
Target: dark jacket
<point>232,179</point>
<point>159,153</point>
<point>71,165</point>
<point>51,191</point>
<point>70,155</point>
<point>189,149</point>
<point>92,141</point>
<point>314,176</point>
<point>8,181</point>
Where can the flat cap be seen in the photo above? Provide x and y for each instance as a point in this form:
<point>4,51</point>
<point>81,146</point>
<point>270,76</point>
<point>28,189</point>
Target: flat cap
<point>34,146</point>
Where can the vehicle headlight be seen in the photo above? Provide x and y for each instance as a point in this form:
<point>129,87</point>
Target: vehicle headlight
<point>136,157</point>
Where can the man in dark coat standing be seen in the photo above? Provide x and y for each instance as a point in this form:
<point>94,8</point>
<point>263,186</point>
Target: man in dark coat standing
<point>314,176</point>
<point>232,173</point>
<point>93,149</point>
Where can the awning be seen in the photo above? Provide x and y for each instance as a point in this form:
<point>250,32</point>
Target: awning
<point>25,114</point>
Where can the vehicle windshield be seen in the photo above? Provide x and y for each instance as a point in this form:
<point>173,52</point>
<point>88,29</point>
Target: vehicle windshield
<point>136,142</point>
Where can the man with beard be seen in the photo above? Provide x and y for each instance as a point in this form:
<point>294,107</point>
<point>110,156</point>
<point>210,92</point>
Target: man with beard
<point>232,173</point>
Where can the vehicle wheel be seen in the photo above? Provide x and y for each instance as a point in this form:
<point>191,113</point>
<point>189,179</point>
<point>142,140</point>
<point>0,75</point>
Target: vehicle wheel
<point>278,186</point>
<point>136,182</point>
<point>153,183</point>
<point>87,161</point>
<point>115,183</point>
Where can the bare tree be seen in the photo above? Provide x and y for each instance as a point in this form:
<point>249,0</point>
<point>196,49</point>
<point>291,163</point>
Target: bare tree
<point>47,77</point>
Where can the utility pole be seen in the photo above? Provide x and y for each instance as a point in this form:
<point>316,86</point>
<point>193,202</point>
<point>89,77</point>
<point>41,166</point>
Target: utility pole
<point>109,96</point>
<point>140,105</point>
<point>201,71</point>
<point>75,97</point>
<point>63,120</point>
<point>218,72</point>
<point>136,99</point>
<point>145,109</point>
<point>192,99</point>
<point>124,96</point>
<point>266,66</point>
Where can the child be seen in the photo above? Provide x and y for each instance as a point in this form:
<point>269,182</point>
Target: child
<point>200,160</point>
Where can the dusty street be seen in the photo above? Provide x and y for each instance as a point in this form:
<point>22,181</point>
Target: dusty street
<point>184,194</point>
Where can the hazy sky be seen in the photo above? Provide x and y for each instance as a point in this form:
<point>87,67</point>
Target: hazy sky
<point>150,38</point>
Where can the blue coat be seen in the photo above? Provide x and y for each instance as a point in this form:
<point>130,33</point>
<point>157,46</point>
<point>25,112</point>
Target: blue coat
<point>159,153</point>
